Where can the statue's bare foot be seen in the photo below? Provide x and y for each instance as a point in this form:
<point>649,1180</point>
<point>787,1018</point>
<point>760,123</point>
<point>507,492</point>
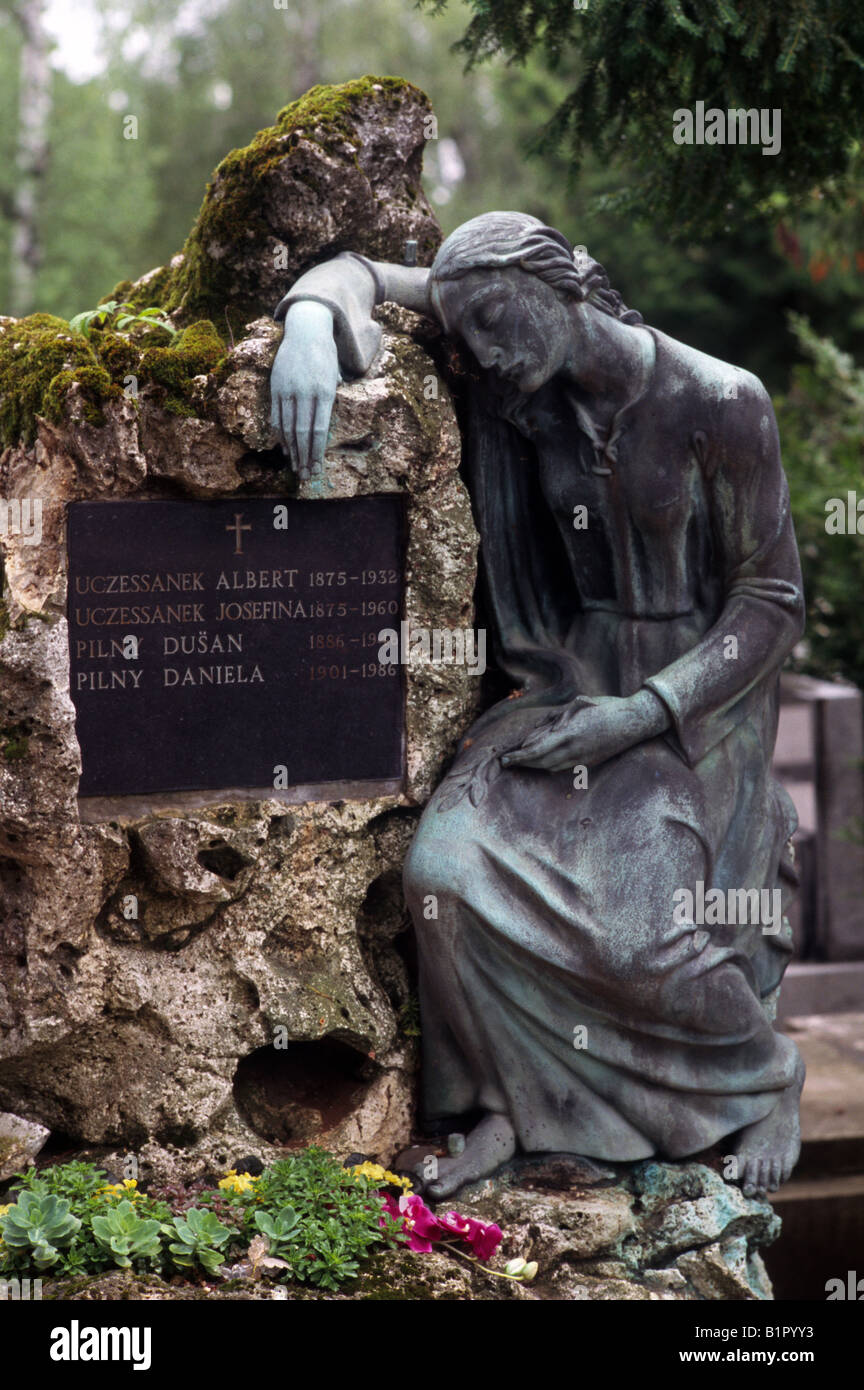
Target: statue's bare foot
<point>488,1145</point>
<point>768,1150</point>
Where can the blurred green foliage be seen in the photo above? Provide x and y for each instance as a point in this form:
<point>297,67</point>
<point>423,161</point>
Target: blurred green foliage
<point>628,68</point>
<point>821,420</point>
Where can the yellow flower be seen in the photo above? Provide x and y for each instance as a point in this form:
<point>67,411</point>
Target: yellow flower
<point>376,1173</point>
<point>236,1182</point>
<point>126,1188</point>
<point>8,1207</point>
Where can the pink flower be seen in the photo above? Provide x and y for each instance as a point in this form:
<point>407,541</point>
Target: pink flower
<point>421,1224</point>
<point>418,1222</point>
<point>484,1237</point>
<point>423,1227</point>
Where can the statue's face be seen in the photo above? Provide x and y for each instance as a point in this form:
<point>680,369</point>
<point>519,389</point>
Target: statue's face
<point>513,323</point>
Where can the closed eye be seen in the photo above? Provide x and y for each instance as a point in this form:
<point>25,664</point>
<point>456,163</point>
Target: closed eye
<point>489,316</point>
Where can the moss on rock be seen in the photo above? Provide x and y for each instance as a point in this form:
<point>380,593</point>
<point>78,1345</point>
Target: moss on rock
<point>339,169</point>
<point>95,386</point>
<point>237,218</point>
<point>194,352</point>
<point>40,359</point>
<point>151,291</point>
<point>119,355</point>
<point>232,210</point>
<point>14,742</point>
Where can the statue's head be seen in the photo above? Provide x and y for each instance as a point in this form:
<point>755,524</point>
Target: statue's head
<point>505,284</point>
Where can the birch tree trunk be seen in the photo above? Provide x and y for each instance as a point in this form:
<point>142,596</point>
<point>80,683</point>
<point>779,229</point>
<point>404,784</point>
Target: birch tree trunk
<point>308,48</point>
<point>34,109</point>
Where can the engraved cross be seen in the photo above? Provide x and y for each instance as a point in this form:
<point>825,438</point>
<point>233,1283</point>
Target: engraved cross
<point>236,527</point>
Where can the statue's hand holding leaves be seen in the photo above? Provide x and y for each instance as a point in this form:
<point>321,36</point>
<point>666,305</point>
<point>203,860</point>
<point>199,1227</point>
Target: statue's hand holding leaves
<point>303,385</point>
<point>590,730</point>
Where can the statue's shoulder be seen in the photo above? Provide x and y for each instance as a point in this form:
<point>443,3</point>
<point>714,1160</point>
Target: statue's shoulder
<point>687,373</point>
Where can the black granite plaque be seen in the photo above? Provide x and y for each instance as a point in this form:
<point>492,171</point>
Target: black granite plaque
<point>234,644</point>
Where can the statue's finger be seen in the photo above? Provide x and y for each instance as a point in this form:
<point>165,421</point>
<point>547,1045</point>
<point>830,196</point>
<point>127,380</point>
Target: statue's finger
<point>288,418</point>
<point>279,425</point>
<point>323,411</point>
<point>520,757</point>
<point>302,431</point>
<point>538,743</point>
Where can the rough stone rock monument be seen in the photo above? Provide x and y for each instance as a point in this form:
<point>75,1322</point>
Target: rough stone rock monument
<point>252,916</point>
<point>199,960</point>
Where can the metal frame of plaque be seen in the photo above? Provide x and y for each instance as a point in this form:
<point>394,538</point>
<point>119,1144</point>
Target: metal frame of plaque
<point>219,645</point>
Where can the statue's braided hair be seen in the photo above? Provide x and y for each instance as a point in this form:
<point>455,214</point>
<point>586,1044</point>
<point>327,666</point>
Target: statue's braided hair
<point>499,239</point>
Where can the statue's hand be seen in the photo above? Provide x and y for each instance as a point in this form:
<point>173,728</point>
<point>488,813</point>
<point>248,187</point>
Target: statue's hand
<point>590,730</point>
<point>303,385</point>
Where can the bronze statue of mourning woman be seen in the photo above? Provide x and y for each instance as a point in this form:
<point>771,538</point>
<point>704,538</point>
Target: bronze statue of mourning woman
<point>642,581</point>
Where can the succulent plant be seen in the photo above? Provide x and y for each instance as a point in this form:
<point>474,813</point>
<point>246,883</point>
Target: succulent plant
<point>200,1239</point>
<point>126,1235</point>
<point>281,1230</point>
<point>39,1225</point>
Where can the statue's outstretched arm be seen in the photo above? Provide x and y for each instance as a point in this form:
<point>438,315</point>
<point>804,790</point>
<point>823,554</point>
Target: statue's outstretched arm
<point>329,330</point>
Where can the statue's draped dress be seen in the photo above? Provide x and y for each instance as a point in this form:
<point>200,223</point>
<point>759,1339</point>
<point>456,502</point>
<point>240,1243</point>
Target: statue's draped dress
<point>557,986</point>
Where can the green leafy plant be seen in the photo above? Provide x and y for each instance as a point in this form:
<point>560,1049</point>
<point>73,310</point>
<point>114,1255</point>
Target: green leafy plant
<point>37,1228</point>
<point>281,1230</point>
<point>128,1236</point>
<point>337,1217</point>
<point>200,1238</point>
<point>90,1196</point>
<point>71,1180</point>
<point>121,317</point>
<point>317,1216</point>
